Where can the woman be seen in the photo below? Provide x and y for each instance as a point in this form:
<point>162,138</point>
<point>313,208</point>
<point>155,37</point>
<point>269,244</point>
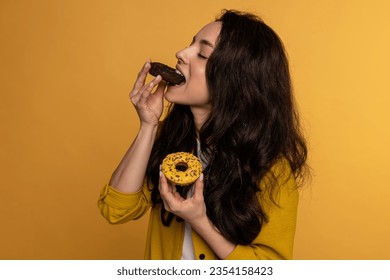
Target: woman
<point>234,111</point>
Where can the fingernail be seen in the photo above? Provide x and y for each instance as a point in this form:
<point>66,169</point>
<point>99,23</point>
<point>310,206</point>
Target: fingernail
<point>201,177</point>
<point>160,173</point>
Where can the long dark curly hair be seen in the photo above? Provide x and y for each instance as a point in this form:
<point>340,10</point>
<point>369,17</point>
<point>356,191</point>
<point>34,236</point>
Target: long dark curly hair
<point>253,124</point>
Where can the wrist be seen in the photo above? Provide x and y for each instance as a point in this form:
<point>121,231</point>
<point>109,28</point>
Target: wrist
<point>202,224</point>
<point>213,237</point>
<point>148,127</point>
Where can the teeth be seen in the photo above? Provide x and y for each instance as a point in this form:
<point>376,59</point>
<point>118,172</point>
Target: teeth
<point>178,72</point>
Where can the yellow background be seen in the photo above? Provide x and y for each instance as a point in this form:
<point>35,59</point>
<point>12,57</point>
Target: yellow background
<point>66,68</point>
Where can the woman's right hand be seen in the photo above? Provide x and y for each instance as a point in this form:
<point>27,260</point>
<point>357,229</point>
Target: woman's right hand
<point>149,106</point>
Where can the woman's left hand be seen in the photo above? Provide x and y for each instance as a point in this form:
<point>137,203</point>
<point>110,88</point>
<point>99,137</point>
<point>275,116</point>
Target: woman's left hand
<point>192,209</point>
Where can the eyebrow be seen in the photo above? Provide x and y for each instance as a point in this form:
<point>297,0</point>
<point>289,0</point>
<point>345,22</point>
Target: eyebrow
<point>204,42</point>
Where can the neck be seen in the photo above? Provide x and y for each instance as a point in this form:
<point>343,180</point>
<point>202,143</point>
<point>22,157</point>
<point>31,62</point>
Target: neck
<point>200,117</point>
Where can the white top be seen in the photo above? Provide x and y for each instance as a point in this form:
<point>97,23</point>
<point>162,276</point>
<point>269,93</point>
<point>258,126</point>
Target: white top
<point>188,246</point>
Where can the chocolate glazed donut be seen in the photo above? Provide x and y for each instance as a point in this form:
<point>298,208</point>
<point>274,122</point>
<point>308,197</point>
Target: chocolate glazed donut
<point>168,74</point>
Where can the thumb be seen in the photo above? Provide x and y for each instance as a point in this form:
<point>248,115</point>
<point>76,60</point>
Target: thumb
<point>160,88</point>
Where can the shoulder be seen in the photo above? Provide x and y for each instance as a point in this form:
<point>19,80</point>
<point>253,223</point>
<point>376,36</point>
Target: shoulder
<point>279,185</point>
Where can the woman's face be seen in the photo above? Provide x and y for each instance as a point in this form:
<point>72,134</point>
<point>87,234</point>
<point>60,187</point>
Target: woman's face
<point>192,64</point>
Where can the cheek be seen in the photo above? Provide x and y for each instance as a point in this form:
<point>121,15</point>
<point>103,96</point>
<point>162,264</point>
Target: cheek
<point>198,88</point>
<point>201,95</point>
<point>198,79</point>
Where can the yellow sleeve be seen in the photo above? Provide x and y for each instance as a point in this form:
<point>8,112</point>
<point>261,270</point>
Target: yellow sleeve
<point>276,238</point>
<point>118,207</point>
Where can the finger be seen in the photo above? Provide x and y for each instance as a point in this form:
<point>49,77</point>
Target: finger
<point>142,74</point>
<point>159,92</point>
<point>149,87</point>
<point>166,186</point>
<point>163,186</point>
<point>161,87</point>
<point>145,90</point>
<point>141,77</point>
<point>199,186</point>
<point>136,96</point>
<point>167,196</point>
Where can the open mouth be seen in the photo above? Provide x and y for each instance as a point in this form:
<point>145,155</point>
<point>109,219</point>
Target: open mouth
<point>182,79</point>
<point>170,75</point>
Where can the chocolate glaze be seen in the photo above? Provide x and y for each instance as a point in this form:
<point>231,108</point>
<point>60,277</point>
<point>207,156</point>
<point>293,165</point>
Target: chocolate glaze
<point>167,73</point>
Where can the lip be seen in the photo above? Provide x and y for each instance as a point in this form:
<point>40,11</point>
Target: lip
<point>180,70</point>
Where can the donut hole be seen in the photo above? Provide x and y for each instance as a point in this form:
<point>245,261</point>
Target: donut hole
<point>181,166</point>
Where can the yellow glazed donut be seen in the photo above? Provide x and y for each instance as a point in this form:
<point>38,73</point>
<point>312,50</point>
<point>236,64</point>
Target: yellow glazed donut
<point>181,168</point>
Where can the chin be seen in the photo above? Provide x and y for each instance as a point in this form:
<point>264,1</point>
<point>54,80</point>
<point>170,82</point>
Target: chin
<point>171,98</point>
<point>172,93</point>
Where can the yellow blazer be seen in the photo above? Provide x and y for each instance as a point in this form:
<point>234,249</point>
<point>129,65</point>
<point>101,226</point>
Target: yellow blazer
<point>275,240</point>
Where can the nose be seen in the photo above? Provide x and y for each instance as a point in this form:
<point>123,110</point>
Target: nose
<point>182,56</point>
